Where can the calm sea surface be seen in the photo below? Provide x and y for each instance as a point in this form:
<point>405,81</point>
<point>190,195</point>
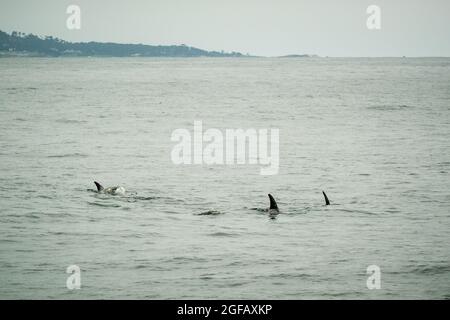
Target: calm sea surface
<point>373,133</point>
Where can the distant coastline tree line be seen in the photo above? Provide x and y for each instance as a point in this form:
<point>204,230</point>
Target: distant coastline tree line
<point>18,43</point>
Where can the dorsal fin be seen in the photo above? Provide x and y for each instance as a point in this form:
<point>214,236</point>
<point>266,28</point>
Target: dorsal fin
<point>273,203</point>
<point>99,186</point>
<point>327,202</point>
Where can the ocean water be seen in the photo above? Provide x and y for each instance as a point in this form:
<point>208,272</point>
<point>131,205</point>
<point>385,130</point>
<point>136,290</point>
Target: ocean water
<point>373,133</point>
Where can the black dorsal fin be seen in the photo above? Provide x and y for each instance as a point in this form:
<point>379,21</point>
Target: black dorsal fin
<point>99,186</point>
<point>327,202</point>
<point>273,203</point>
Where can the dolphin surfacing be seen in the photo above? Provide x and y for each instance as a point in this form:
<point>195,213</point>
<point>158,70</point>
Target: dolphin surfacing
<point>273,209</point>
<point>99,186</point>
<point>117,190</point>
<point>327,202</point>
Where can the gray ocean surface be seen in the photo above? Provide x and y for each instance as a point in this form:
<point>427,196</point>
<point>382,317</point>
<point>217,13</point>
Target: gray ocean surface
<point>373,133</point>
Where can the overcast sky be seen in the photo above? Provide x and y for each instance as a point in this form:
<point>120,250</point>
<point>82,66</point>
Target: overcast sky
<point>259,27</point>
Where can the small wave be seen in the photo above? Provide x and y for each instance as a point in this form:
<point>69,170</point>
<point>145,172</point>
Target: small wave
<point>260,209</point>
<point>432,269</point>
<point>182,260</point>
<point>145,198</point>
<point>390,107</point>
<point>238,263</point>
<point>222,234</point>
<point>337,294</point>
<point>210,213</point>
<point>19,88</point>
<point>289,276</point>
<point>33,216</point>
<point>106,205</point>
<point>43,196</point>
<point>236,284</point>
<point>295,276</point>
<point>358,211</point>
<point>132,198</point>
<point>8,240</point>
<point>69,121</point>
<point>69,155</point>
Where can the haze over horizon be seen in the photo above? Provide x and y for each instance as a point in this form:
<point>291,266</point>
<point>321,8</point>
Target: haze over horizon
<point>263,28</point>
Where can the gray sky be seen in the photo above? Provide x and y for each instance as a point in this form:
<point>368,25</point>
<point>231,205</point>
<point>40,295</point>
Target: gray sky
<point>260,27</point>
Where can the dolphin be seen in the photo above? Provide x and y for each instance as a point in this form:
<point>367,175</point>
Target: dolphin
<point>273,209</point>
<point>117,190</point>
<point>327,202</point>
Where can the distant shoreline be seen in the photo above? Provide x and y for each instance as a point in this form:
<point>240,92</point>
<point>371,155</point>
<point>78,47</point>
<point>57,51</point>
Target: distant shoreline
<point>18,44</point>
<point>21,45</point>
<point>21,55</point>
